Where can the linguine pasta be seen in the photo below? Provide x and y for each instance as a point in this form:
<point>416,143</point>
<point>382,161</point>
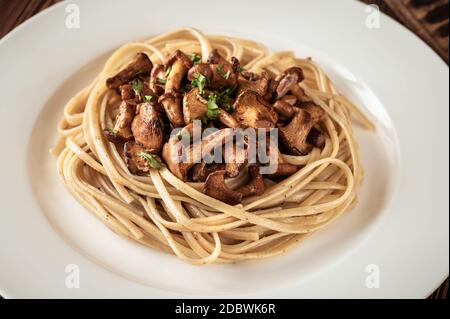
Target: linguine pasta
<point>162,212</point>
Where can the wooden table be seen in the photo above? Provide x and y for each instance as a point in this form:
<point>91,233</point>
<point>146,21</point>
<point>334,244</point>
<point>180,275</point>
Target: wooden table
<point>435,33</point>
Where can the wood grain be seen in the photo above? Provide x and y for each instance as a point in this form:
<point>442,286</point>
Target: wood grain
<point>418,15</point>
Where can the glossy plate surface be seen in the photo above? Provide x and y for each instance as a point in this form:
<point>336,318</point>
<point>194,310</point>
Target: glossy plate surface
<point>399,228</point>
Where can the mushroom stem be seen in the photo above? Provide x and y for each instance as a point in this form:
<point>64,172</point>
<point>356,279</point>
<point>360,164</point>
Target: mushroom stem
<point>216,188</point>
<point>256,184</point>
<point>172,105</point>
<point>226,119</point>
<point>140,65</point>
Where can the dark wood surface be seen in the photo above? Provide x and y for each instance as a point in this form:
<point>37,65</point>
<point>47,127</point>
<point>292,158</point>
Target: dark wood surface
<point>424,17</point>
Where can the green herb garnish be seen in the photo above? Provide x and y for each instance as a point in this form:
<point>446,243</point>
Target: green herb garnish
<point>213,110</point>
<point>219,69</point>
<point>136,84</point>
<point>227,75</point>
<point>196,59</point>
<point>151,159</point>
<point>111,130</point>
<point>225,100</point>
<point>161,81</point>
<point>147,98</point>
<point>198,80</point>
<point>169,69</point>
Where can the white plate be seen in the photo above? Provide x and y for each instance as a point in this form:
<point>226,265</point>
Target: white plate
<point>398,231</point>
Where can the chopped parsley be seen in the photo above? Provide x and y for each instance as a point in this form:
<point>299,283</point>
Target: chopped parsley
<point>161,81</point>
<point>227,75</point>
<point>151,159</point>
<point>147,98</point>
<point>225,100</point>
<point>136,84</point>
<point>169,69</point>
<point>199,81</point>
<point>196,59</point>
<point>111,130</point>
<point>220,69</point>
<point>213,110</point>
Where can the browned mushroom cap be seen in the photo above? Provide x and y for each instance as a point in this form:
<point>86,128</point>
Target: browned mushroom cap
<point>147,128</point>
<point>283,169</point>
<point>285,110</point>
<point>171,102</point>
<point>215,58</point>
<point>300,94</point>
<point>226,119</point>
<point>121,131</point>
<point>126,92</point>
<point>171,153</point>
<point>288,79</point>
<point>253,82</point>
<point>140,65</point>
<point>256,184</point>
<point>223,76</point>
<point>253,111</point>
<point>295,133</point>
<point>316,138</point>
<point>172,150</point>
<point>290,99</point>
<point>145,94</point>
<point>235,158</point>
<point>216,188</point>
<point>135,158</point>
<point>219,73</point>
<point>216,139</point>
<point>201,170</point>
<point>203,69</point>
<point>316,112</point>
<point>236,64</point>
<point>157,73</point>
<point>179,64</point>
<point>194,106</point>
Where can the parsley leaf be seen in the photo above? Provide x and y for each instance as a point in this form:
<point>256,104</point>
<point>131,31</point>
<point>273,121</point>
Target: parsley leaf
<point>147,98</point>
<point>219,69</point>
<point>151,159</point>
<point>169,69</point>
<point>136,84</point>
<point>213,110</point>
<point>161,81</point>
<point>225,100</point>
<point>196,59</point>
<point>227,75</point>
<point>198,80</point>
<point>111,130</point>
